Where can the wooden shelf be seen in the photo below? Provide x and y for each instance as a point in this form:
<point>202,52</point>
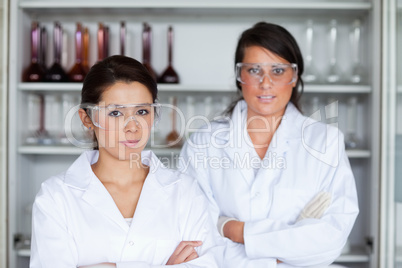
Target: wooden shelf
<point>76,87</point>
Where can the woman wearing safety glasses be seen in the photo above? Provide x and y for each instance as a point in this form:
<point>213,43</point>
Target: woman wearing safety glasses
<point>117,205</point>
<point>284,194</point>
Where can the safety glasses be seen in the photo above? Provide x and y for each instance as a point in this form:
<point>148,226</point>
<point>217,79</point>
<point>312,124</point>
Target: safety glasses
<point>254,73</point>
<point>117,117</point>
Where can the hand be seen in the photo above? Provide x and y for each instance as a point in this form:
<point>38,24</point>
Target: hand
<point>184,252</point>
<point>316,207</point>
<point>234,230</point>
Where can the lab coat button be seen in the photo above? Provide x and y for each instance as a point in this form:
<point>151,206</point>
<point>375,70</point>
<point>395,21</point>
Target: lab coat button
<point>131,243</point>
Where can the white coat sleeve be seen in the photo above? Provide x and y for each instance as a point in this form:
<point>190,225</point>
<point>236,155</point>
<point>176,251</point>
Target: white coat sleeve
<point>310,242</point>
<point>51,245</point>
<point>235,256</point>
<point>196,224</point>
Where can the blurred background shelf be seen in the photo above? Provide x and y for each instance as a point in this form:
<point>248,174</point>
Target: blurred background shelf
<point>70,150</point>
<point>308,88</point>
<point>207,5</point>
<point>356,254</point>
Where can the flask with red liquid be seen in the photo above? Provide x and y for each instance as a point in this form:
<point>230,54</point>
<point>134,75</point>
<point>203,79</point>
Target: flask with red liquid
<point>77,72</point>
<point>34,72</point>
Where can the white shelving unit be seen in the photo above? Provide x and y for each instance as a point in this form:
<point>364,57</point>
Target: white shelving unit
<point>3,134</point>
<point>206,33</point>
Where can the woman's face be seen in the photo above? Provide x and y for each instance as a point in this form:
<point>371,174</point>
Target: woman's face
<point>265,98</point>
<point>130,134</point>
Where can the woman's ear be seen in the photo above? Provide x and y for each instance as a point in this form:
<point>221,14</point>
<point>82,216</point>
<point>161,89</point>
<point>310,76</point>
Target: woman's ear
<point>295,83</point>
<point>85,119</point>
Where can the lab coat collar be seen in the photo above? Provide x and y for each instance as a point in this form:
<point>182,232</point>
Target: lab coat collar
<point>80,173</point>
<point>289,127</point>
<point>288,131</point>
<point>154,192</point>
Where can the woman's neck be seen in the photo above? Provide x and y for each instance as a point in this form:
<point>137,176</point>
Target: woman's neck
<point>261,130</point>
<point>111,170</point>
<point>266,125</point>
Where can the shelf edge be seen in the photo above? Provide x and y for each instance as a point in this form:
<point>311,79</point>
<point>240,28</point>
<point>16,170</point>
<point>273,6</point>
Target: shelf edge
<point>358,153</point>
<point>353,89</point>
<point>200,4</point>
<point>308,88</point>
<point>65,150</point>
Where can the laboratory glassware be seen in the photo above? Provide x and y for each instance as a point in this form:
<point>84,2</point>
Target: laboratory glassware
<point>333,72</point>
<point>34,72</point>
<point>56,72</point>
<point>357,68</point>
<point>43,48</point>
<point>173,138</point>
<point>146,49</point>
<point>351,140</point>
<point>310,72</point>
<point>77,72</point>
<point>169,75</point>
<point>123,33</point>
<point>85,49</point>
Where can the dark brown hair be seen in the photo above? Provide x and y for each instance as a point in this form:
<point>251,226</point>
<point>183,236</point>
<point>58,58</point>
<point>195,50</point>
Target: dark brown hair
<point>279,41</point>
<point>111,70</point>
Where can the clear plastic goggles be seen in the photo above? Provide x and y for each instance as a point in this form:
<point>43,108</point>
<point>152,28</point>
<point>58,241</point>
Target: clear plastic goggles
<point>278,73</point>
<point>116,117</point>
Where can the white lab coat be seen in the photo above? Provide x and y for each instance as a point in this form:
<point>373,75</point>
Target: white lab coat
<point>76,222</point>
<point>304,158</point>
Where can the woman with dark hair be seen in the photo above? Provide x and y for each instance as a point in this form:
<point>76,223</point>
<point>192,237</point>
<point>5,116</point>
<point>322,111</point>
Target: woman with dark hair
<point>118,206</point>
<point>279,184</point>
